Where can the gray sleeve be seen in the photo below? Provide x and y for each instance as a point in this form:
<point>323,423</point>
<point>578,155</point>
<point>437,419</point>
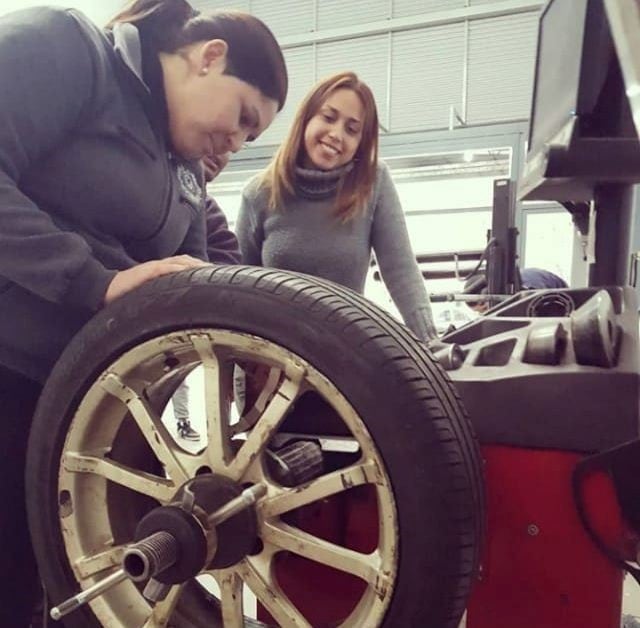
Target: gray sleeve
<point>46,71</point>
<point>222,244</point>
<point>398,266</point>
<point>249,228</point>
<point>194,243</point>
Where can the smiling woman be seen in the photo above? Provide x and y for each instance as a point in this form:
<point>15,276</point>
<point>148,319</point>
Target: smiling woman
<point>100,190</point>
<point>339,115</point>
<point>325,202</point>
<point>333,135</point>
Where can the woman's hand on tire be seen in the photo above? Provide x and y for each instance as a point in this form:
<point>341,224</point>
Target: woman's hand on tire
<point>127,280</point>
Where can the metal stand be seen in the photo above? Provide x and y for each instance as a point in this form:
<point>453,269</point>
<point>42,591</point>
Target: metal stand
<point>614,202</point>
<point>614,212</point>
<point>502,276</point>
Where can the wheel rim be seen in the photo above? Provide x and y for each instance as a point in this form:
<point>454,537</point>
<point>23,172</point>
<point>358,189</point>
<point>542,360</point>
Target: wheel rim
<point>91,517</point>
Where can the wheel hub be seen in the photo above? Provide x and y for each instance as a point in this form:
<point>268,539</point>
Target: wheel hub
<point>236,536</point>
<point>200,544</point>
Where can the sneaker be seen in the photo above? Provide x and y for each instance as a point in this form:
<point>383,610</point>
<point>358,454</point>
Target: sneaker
<point>186,432</point>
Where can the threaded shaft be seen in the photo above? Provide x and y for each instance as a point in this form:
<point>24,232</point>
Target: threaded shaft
<point>151,556</point>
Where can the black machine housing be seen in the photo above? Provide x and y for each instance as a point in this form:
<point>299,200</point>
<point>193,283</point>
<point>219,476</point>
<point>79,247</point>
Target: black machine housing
<point>525,378</point>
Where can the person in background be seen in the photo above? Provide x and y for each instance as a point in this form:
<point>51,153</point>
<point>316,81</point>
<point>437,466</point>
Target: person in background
<point>101,132</point>
<point>326,201</point>
<point>222,248</point>
<point>539,279</point>
<point>530,279</point>
<point>222,243</point>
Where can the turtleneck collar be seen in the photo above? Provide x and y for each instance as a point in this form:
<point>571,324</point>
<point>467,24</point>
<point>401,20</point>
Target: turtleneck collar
<point>319,184</point>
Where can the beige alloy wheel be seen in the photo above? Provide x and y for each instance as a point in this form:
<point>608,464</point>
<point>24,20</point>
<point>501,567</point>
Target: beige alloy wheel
<point>93,538</point>
<point>381,528</point>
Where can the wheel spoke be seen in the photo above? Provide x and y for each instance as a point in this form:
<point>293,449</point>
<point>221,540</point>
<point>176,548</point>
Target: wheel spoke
<point>266,427</point>
<point>364,566</point>
<point>230,585</point>
<point>138,481</point>
<point>322,487</point>
<point>88,566</point>
<point>216,403</point>
<point>251,417</point>
<point>163,610</point>
<point>149,423</point>
<point>271,597</point>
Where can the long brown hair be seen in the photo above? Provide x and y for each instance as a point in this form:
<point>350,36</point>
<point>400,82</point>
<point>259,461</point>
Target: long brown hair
<point>253,56</point>
<point>357,185</point>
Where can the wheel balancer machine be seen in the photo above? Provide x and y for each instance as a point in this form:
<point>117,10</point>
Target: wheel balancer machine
<point>551,378</point>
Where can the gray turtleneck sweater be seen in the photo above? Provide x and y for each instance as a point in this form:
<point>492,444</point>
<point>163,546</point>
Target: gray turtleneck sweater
<point>304,236</point>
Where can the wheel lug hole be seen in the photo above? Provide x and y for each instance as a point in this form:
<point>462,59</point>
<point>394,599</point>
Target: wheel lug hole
<point>204,470</point>
<point>65,503</point>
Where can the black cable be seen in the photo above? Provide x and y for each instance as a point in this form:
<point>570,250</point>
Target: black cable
<point>492,242</point>
<point>580,473</point>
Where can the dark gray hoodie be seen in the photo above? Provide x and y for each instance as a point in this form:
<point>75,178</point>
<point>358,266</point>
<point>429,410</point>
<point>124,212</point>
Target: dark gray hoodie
<point>88,186</point>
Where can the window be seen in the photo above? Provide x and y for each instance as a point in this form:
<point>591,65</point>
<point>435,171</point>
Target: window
<point>548,239</point>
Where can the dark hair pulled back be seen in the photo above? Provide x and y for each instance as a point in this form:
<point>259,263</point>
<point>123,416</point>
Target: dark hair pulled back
<point>253,56</point>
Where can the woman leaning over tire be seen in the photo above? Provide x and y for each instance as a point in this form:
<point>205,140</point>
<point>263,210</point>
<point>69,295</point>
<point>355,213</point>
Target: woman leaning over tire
<point>100,191</point>
<point>325,202</point>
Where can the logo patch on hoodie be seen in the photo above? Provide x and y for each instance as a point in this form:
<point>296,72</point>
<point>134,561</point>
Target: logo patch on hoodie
<point>189,184</point>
